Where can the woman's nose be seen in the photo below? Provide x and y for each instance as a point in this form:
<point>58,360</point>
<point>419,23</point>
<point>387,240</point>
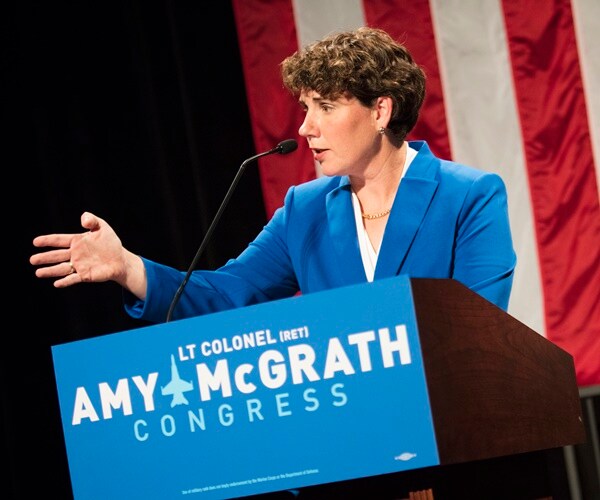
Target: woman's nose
<point>307,127</point>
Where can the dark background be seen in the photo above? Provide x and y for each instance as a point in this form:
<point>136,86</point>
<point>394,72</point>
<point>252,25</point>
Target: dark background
<point>135,111</point>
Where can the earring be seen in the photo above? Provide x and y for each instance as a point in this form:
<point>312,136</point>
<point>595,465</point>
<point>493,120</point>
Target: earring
<point>381,130</point>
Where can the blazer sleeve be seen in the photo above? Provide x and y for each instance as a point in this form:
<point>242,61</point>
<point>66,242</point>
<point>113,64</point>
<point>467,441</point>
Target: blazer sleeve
<point>485,258</point>
<point>262,272</point>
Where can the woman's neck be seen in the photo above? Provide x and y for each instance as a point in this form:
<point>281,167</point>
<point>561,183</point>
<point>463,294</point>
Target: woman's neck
<point>376,190</point>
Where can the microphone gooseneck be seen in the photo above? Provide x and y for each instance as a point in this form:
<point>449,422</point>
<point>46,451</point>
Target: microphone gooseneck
<point>283,148</point>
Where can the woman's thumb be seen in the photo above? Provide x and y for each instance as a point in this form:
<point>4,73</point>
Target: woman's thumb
<point>90,221</point>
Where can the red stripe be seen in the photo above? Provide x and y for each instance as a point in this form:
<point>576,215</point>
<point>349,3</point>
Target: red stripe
<point>411,24</point>
<point>267,34</point>
<point>560,166</point>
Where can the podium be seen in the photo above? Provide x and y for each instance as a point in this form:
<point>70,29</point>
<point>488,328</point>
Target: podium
<point>437,389</point>
<point>496,387</point>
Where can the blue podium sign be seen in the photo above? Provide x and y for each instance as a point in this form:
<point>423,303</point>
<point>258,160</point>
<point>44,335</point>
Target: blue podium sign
<point>303,391</point>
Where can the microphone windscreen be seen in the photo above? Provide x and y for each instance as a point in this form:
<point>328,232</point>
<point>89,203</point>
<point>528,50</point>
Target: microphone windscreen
<point>287,146</point>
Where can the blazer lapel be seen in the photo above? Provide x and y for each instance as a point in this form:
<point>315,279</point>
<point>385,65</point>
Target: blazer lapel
<point>342,230</point>
<point>409,209</point>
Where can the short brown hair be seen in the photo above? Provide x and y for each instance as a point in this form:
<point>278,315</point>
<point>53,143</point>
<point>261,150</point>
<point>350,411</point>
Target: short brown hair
<point>366,63</point>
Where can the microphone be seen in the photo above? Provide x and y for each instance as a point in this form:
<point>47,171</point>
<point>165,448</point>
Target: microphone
<point>283,148</point>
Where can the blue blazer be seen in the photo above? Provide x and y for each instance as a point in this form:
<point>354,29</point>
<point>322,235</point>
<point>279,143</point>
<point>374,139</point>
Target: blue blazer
<point>447,221</point>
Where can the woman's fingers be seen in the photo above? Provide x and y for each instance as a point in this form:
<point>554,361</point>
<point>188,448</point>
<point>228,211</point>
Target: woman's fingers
<point>50,257</point>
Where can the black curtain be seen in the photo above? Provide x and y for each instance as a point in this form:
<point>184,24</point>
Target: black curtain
<point>137,112</point>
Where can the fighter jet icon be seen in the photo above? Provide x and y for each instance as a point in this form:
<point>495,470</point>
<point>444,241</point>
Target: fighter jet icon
<point>177,386</point>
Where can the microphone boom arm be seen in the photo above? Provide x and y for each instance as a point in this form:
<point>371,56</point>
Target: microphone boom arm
<point>284,147</point>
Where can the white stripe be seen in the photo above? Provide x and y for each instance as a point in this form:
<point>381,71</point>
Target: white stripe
<point>586,17</point>
<point>484,127</point>
<point>318,18</point>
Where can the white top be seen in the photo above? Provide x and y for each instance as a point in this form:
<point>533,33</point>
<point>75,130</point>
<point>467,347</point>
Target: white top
<point>367,252</point>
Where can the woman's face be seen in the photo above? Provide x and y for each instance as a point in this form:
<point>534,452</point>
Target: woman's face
<point>342,134</point>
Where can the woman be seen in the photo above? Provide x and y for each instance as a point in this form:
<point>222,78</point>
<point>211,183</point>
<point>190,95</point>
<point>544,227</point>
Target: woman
<point>383,207</point>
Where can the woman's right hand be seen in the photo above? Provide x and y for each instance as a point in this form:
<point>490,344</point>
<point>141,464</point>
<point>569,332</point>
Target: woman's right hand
<point>93,256</point>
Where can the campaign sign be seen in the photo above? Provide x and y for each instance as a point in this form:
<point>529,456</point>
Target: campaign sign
<point>297,392</point>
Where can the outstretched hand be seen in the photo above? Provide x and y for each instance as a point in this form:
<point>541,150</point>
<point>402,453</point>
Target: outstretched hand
<point>95,255</point>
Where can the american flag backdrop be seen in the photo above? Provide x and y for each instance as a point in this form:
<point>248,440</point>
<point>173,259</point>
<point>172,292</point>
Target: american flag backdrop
<point>513,87</point>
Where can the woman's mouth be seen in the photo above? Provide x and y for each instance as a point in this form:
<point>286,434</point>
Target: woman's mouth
<point>318,154</point>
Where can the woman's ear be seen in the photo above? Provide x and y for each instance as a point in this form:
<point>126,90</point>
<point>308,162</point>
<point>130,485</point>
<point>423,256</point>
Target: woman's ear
<point>383,111</point>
